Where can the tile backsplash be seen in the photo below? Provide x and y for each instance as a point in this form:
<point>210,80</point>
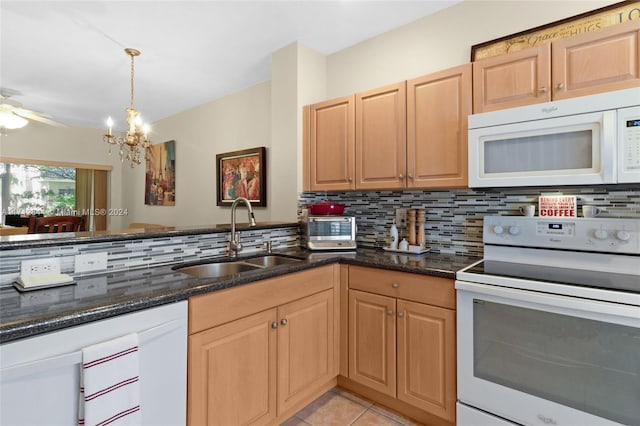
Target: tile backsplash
<point>454,217</point>
<point>123,255</point>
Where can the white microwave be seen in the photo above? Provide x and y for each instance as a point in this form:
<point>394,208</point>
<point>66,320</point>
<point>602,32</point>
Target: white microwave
<point>588,140</point>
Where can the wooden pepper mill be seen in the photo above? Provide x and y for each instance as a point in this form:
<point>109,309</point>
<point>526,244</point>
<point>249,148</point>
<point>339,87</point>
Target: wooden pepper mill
<point>420,221</point>
<point>411,225</point>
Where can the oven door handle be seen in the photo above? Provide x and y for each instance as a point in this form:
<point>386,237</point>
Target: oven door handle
<point>569,305</point>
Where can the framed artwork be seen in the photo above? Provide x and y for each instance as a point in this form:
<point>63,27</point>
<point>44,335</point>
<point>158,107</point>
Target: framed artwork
<point>160,176</point>
<point>607,16</point>
<point>242,174</point>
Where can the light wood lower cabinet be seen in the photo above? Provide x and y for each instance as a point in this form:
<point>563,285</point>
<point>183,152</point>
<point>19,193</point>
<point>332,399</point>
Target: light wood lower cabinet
<point>258,368</point>
<point>404,348</point>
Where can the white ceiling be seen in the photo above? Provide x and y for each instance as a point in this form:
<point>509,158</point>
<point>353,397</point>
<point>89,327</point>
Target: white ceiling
<point>66,58</point>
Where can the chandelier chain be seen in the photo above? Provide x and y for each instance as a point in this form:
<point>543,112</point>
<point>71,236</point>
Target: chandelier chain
<point>132,68</point>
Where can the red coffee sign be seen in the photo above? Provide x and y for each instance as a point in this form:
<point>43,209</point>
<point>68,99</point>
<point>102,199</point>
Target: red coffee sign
<point>557,205</point>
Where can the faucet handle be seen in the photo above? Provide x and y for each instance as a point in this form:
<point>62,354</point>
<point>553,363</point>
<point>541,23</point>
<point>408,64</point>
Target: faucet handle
<point>267,246</point>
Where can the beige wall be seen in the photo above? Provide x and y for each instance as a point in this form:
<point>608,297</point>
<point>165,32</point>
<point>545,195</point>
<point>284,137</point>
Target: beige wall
<point>232,123</point>
<point>440,41</point>
<point>269,114</point>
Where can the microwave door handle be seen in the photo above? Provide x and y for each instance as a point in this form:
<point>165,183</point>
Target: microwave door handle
<point>609,146</point>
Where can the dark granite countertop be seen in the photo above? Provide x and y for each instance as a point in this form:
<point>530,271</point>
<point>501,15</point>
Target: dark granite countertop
<point>103,296</point>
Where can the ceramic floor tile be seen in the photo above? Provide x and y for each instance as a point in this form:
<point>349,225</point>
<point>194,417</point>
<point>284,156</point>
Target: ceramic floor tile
<point>355,398</point>
<point>398,418</point>
<point>371,418</point>
<point>331,409</point>
<point>294,421</point>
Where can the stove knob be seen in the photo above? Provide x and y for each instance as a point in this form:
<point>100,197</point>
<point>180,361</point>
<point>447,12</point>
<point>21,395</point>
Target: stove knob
<point>600,234</point>
<point>514,230</point>
<point>498,229</point>
<point>623,235</point>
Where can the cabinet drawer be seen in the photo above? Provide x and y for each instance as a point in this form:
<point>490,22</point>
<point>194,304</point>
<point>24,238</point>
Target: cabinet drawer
<point>418,288</point>
<point>219,307</point>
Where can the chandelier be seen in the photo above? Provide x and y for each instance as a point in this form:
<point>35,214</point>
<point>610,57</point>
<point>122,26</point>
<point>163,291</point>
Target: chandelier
<point>131,143</point>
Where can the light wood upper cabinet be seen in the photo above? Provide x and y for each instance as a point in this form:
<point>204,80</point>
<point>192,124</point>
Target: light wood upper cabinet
<point>597,61</point>
<point>437,108</point>
<point>411,134</point>
<point>512,80</point>
<point>381,138</point>
<point>329,139</point>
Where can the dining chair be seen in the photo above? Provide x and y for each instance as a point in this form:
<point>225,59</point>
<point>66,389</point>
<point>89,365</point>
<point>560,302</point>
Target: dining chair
<point>52,224</point>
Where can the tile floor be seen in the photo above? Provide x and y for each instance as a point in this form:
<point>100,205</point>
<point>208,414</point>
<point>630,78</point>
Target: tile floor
<point>340,408</point>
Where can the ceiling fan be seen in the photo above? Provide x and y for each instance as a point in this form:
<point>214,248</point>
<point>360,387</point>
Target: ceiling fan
<point>14,116</point>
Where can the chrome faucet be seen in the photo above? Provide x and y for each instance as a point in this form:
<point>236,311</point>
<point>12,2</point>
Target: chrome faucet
<point>234,240</point>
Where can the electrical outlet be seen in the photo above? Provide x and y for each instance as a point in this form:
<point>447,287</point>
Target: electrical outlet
<point>50,265</point>
<point>90,262</point>
<point>401,218</point>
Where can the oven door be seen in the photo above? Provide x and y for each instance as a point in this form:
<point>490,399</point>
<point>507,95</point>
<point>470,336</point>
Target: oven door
<point>543,359</point>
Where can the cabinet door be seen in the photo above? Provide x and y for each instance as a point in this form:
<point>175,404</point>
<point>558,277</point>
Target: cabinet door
<point>598,61</point>
<point>232,371</point>
<point>427,358</point>
<point>331,145</point>
<point>511,80</point>
<point>305,347</point>
<point>372,341</point>
<point>437,110</point>
<point>381,138</point>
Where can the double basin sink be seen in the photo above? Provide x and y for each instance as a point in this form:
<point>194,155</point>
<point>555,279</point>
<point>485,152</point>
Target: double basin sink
<point>225,267</point>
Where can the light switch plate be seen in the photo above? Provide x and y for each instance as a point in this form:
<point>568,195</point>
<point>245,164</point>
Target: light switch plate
<point>90,262</point>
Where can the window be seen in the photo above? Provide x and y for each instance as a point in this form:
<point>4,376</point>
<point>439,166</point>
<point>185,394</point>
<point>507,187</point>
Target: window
<point>50,189</point>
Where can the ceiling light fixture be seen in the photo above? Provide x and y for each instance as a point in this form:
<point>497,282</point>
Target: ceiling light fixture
<point>136,138</point>
<point>9,120</point>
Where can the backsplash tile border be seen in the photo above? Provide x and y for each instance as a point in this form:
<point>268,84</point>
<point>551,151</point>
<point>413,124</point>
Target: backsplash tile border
<point>454,217</point>
<point>147,252</point>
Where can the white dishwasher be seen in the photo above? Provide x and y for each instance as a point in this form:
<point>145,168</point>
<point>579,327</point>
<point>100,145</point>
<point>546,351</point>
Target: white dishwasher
<point>40,375</point>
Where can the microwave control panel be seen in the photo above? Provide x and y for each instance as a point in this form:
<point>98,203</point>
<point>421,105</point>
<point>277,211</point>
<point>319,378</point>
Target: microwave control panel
<point>631,142</point>
<point>629,145</point>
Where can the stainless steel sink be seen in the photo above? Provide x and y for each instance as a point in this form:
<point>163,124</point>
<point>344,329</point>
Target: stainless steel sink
<point>270,260</point>
<point>225,267</point>
<point>216,269</point>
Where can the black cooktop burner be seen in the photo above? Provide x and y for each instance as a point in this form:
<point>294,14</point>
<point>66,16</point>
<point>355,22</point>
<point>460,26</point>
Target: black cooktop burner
<point>578,277</point>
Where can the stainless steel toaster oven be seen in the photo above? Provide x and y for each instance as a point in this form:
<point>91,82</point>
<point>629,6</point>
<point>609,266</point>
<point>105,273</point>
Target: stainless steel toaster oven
<point>329,232</point>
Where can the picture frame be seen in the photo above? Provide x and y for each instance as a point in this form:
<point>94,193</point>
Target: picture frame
<point>160,174</point>
<point>613,14</point>
<point>242,174</point>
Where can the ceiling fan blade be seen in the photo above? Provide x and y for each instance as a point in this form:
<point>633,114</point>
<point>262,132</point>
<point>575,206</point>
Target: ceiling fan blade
<point>36,116</point>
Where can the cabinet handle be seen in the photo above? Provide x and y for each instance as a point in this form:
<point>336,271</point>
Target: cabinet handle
<point>389,311</point>
<point>400,314</point>
<point>401,177</point>
<point>543,89</point>
<point>274,324</point>
<point>350,179</point>
<point>395,285</point>
<point>410,176</point>
<point>284,321</point>
<point>560,86</point>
